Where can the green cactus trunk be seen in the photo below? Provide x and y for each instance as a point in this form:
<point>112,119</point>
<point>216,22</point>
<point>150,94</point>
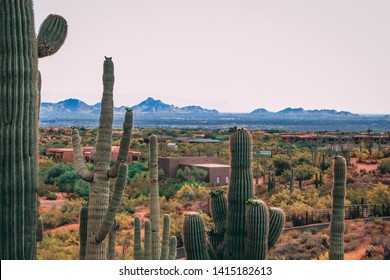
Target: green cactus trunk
<point>240,190</point>
<point>257,224</point>
<point>194,234</point>
<point>19,99</point>
<point>102,210</point>
<point>83,232</point>
<point>154,198</point>
<point>292,181</point>
<point>18,130</point>
<point>336,240</point>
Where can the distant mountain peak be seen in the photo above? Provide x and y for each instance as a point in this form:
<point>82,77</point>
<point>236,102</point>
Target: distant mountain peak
<point>290,110</point>
<point>260,111</point>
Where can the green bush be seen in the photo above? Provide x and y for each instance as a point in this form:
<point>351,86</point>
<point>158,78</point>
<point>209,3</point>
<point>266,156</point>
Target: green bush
<point>51,196</point>
<point>59,245</point>
<point>384,167</point>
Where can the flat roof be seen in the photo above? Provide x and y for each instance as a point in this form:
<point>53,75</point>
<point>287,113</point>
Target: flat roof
<point>209,165</point>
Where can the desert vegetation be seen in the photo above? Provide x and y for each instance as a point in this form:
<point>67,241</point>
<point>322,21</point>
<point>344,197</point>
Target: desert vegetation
<point>314,199</point>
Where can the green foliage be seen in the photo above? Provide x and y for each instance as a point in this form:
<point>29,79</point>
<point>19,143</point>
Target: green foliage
<point>67,214</point>
<point>384,166</point>
<point>380,195</point>
<point>138,185</point>
<point>82,188</point>
<point>135,168</point>
<point>57,170</point>
<point>355,192</point>
<point>307,171</point>
<point>191,175</point>
<point>59,245</point>
<point>300,201</point>
<point>281,163</point>
<point>67,181</point>
<point>190,192</point>
<point>51,196</point>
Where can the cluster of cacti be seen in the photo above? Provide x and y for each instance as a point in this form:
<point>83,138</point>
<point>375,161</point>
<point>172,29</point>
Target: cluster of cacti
<point>20,99</point>
<point>336,240</point>
<point>245,228</point>
<point>102,210</point>
<point>154,249</point>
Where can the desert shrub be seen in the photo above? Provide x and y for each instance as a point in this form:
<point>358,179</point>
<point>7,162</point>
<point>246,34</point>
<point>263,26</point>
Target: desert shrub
<point>384,167</point>
<point>82,188</point>
<point>59,245</point>
<point>353,245</point>
<point>67,214</point>
<point>380,195</point>
<point>191,175</point>
<point>51,196</point>
<point>281,163</point>
<point>124,220</point>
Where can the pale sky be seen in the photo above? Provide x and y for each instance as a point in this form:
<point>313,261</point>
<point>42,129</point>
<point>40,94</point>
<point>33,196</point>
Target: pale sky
<point>229,55</point>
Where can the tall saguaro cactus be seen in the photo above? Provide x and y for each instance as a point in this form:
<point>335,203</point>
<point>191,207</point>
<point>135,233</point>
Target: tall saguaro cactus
<point>102,210</point>
<point>337,226</point>
<point>19,101</point>
<point>251,227</point>
<point>154,249</point>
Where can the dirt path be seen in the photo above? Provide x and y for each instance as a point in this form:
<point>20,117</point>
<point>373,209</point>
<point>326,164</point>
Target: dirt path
<point>362,166</point>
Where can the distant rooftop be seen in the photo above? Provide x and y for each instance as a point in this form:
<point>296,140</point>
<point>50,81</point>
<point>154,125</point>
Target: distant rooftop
<point>209,165</point>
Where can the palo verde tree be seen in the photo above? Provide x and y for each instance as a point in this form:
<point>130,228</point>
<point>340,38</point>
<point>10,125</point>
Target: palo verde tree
<point>20,83</point>
<point>101,210</point>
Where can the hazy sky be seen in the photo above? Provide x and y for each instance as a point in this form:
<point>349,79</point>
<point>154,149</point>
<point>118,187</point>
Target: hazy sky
<point>229,55</point>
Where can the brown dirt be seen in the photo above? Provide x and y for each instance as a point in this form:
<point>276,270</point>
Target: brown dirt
<point>367,167</point>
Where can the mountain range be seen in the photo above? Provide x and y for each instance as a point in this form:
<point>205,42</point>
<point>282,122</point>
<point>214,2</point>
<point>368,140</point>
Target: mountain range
<point>150,106</point>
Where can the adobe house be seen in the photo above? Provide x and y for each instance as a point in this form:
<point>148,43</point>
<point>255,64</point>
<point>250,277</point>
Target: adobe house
<point>217,173</point>
<point>66,154</point>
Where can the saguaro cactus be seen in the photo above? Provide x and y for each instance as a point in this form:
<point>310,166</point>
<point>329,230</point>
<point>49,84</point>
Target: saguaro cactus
<point>251,227</point>
<point>292,180</point>
<point>336,241</point>
<point>159,250</point>
<point>19,99</point>
<point>102,210</point>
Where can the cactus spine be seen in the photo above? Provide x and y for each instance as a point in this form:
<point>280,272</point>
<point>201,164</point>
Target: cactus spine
<point>251,227</point>
<point>19,99</point>
<point>336,241</point>
<point>102,210</point>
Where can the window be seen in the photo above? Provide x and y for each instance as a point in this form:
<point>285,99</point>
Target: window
<point>218,179</point>
<point>227,179</point>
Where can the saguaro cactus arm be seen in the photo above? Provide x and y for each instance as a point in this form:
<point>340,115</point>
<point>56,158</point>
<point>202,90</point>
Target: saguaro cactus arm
<point>172,248</point>
<point>78,158</point>
<point>124,144</point>
<point>114,203</point>
<point>257,225</point>
<point>83,232</point>
<point>137,238</point>
<point>276,222</point>
<point>51,36</point>
<point>194,233</point>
